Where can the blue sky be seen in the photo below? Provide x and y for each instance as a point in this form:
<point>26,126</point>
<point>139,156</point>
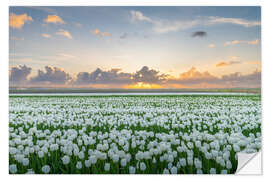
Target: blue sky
<point>82,39</point>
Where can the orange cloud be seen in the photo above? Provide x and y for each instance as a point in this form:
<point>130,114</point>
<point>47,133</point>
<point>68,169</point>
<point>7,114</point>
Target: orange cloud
<point>230,43</point>
<point>255,62</point>
<point>54,19</point>
<point>211,45</point>
<point>46,35</point>
<point>195,79</point>
<point>65,33</point>
<point>194,74</point>
<point>220,64</point>
<point>18,21</point>
<point>101,34</point>
<point>253,42</point>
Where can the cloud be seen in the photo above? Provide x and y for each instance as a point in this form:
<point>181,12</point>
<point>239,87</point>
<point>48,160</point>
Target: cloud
<point>194,78</point>
<point>230,43</point>
<point>138,16</point>
<point>77,24</point>
<point>65,33</point>
<point>18,75</point>
<point>147,75</point>
<point>124,36</point>
<point>223,63</point>
<point>114,76</point>
<point>165,26</point>
<point>220,64</point>
<point>199,34</point>
<point>162,26</point>
<point>146,36</point>
<point>255,62</point>
<point>18,21</point>
<point>143,78</point>
<point>101,34</point>
<point>239,80</point>
<point>99,76</point>
<point>54,19</point>
<point>42,8</point>
<point>211,45</point>
<point>64,55</point>
<point>51,75</point>
<point>46,35</point>
<point>16,38</point>
<point>236,21</point>
<point>255,42</point>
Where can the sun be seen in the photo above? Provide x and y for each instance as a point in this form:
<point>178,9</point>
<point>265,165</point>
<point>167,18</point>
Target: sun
<point>141,85</point>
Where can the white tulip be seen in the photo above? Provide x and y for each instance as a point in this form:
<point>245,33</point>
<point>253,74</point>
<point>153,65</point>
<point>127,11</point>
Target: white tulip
<point>142,166</point>
<point>173,170</point>
<point>46,169</point>
<point>107,167</point>
<point>79,165</point>
<point>132,170</point>
<point>13,168</point>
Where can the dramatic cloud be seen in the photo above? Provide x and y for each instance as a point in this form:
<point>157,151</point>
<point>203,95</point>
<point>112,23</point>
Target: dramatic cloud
<point>211,45</point>
<point>199,34</point>
<point>54,19</point>
<point>165,26</point>
<point>144,78</point>
<point>223,63</point>
<point>18,21</point>
<point>195,78</point>
<point>239,80</point>
<point>46,35</point>
<point>99,76</point>
<point>147,75</point>
<point>101,34</point>
<point>51,75</point>
<point>65,33</point>
<point>18,75</point>
<point>230,43</point>
<point>113,76</point>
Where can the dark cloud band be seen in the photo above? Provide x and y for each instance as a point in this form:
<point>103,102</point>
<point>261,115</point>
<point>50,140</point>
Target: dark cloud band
<point>56,76</point>
<point>199,34</point>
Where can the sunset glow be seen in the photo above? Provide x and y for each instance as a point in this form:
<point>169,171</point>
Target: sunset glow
<point>135,47</point>
<point>141,85</point>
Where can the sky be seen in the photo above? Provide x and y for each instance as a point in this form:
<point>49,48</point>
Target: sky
<point>135,47</point>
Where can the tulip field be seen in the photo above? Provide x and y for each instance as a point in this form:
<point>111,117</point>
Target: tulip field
<point>132,134</point>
